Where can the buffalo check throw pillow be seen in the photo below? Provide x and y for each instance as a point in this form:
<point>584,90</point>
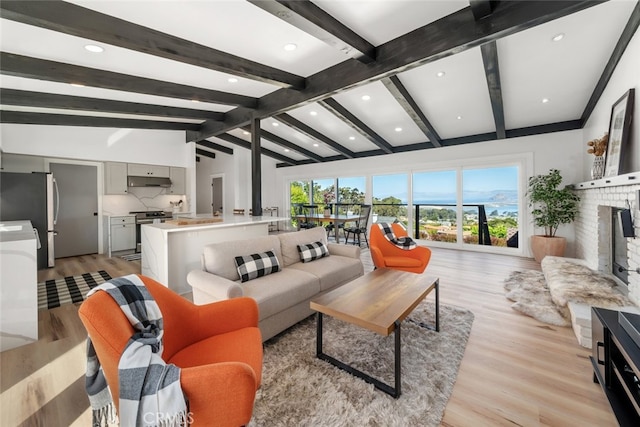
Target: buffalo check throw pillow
<point>312,251</point>
<point>257,265</point>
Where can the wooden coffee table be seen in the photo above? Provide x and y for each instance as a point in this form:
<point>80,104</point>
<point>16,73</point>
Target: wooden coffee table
<point>378,301</point>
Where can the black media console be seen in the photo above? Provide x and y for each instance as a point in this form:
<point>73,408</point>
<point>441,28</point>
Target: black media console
<point>616,363</point>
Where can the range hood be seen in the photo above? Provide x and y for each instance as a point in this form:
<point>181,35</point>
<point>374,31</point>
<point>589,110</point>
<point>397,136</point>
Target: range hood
<point>148,181</point>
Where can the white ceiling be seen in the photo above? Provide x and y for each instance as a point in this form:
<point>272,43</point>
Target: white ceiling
<point>457,105</point>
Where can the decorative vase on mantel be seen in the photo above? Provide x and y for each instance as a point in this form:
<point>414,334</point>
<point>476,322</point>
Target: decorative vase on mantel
<point>597,169</point>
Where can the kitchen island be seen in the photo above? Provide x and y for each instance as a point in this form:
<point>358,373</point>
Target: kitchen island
<point>171,251</point>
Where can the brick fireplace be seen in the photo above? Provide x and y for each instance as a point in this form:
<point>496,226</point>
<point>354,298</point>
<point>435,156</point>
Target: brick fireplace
<point>594,222</point>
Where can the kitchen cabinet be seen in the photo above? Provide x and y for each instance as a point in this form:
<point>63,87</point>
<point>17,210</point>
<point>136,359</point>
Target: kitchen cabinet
<point>135,169</point>
<point>18,284</point>
<point>178,178</point>
<point>122,233</point>
<point>115,178</point>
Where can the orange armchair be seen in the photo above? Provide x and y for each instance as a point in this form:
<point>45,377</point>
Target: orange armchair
<point>218,347</point>
<point>386,254</point>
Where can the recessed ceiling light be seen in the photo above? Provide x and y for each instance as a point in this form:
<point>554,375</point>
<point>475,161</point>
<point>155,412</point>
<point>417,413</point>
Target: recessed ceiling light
<point>232,80</point>
<point>314,113</point>
<point>459,117</point>
<point>195,100</point>
<point>557,37</point>
<point>286,150</point>
<point>94,48</point>
<point>245,132</point>
<point>76,84</point>
<point>290,46</point>
<point>366,97</point>
<point>440,74</point>
<point>351,138</point>
<point>545,100</point>
<point>315,144</point>
<point>398,129</point>
<point>275,124</point>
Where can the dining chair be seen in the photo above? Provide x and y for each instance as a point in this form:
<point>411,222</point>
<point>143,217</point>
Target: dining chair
<point>360,227</point>
<point>310,213</point>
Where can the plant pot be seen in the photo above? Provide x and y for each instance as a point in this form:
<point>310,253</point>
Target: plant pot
<point>327,213</point>
<point>542,246</point>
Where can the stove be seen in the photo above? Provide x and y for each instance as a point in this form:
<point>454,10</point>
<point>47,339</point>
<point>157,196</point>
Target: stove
<point>148,217</point>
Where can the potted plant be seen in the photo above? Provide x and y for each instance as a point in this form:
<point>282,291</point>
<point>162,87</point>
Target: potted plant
<point>552,206</point>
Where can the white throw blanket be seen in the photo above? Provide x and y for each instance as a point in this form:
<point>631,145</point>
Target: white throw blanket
<point>150,392</point>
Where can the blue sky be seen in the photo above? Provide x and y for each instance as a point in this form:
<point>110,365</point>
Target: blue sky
<point>442,184</point>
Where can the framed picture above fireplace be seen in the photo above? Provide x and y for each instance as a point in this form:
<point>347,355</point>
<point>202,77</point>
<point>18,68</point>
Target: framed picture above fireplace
<point>619,130</point>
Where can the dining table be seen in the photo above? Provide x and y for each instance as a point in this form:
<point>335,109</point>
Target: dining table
<point>332,218</point>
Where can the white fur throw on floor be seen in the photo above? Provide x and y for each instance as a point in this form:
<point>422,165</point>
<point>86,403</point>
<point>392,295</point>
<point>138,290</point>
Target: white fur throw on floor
<point>570,280</point>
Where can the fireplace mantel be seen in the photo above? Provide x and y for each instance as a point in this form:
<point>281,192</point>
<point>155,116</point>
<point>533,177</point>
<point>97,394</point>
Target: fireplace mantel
<point>612,181</point>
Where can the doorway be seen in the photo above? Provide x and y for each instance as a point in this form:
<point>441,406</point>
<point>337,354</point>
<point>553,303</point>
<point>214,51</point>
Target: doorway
<point>77,209</point>
<point>217,193</point>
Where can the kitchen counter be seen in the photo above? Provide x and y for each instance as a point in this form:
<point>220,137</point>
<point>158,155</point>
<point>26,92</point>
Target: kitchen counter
<point>18,284</point>
<point>170,251</point>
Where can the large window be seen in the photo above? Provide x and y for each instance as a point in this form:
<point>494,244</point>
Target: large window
<point>435,201</point>
<point>490,206</point>
<point>390,198</point>
<point>351,190</point>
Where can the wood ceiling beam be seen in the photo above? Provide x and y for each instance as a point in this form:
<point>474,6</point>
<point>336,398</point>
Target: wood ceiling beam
<point>626,36</point>
<point>26,98</point>
<point>410,106</point>
<point>481,8</point>
<point>421,46</point>
<point>213,146</point>
<point>205,153</point>
<point>78,21</point>
<point>287,144</point>
<point>312,133</point>
<point>34,68</point>
<point>89,121</point>
<point>356,124</point>
<point>492,73</point>
<point>247,145</point>
<point>314,21</point>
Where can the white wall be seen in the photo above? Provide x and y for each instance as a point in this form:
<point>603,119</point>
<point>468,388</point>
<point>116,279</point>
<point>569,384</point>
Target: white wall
<point>237,180</point>
<point>625,77</point>
<point>155,147</point>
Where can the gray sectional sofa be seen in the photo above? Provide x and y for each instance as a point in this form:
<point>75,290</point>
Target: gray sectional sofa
<point>283,297</point>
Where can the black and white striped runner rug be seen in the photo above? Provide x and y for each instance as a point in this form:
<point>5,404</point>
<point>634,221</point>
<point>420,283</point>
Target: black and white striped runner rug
<point>71,289</point>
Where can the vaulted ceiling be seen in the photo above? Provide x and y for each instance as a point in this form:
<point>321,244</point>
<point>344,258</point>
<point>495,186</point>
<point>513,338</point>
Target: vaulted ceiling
<point>325,79</point>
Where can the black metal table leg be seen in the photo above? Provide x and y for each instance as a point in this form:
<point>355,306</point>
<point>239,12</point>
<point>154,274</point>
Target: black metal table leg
<point>319,335</point>
<point>392,391</point>
<point>437,305</point>
<point>398,360</point>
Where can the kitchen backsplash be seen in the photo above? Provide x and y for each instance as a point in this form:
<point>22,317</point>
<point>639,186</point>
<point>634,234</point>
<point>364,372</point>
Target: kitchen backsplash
<point>142,199</point>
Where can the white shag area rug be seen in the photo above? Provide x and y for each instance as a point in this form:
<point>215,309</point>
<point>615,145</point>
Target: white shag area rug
<point>300,390</point>
<point>530,295</point>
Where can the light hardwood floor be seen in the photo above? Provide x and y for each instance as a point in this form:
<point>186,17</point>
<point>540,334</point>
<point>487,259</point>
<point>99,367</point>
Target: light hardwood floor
<point>515,371</point>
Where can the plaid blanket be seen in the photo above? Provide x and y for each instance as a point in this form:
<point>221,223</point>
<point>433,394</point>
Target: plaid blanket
<point>406,243</point>
<point>150,392</point>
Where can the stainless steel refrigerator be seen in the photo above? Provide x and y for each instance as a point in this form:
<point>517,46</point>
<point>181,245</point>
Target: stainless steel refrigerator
<point>30,196</point>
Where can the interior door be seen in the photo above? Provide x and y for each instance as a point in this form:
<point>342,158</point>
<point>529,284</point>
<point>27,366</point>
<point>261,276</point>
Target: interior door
<point>216,194</point>
<point>77,220</point>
